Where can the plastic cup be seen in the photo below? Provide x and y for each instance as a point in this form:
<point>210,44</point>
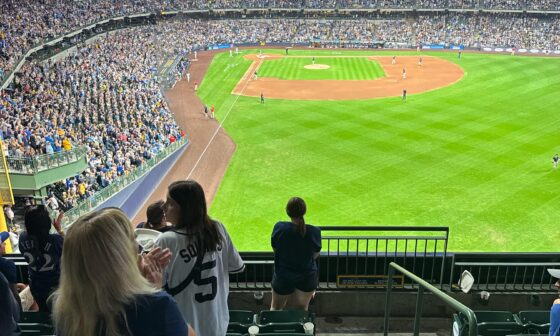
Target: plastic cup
<point>308,327</point>
<point>253,330</point>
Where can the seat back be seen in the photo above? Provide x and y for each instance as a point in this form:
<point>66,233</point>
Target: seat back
<point>494,316</point>
<point>35,329</point>
<point>284,316</point>
<point>282,328</point>
<point>536,321</point>
<point>241,316</point>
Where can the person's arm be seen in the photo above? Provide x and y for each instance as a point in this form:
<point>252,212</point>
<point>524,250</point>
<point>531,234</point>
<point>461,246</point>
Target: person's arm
<point>58,223</point>
<point>14,289</point>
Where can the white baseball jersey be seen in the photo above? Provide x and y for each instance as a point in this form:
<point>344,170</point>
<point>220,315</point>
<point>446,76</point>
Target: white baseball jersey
<point>201,291</point>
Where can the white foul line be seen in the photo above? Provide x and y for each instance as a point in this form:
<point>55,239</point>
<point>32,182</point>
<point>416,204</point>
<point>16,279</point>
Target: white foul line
<point>221,123</point>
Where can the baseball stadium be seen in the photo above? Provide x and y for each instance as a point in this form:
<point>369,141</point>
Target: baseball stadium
<point>348,167</point>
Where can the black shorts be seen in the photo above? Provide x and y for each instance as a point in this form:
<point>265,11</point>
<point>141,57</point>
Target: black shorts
<point>305,283</point>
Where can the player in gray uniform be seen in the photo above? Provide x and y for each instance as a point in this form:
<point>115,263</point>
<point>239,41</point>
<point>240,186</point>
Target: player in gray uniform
<point>199,282</point>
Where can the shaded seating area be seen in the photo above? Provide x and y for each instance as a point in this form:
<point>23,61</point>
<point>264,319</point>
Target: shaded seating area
<point>501,323</point>
<point>270,322</point>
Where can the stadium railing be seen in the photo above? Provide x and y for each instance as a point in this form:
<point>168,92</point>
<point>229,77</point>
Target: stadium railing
<point>422,287</point>
<point>119,183</point>
<point>38,163</point>
<point>527,272</point>
<point>358,257</point>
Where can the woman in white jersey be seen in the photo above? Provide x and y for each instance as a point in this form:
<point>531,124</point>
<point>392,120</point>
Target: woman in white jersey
<point>199,282</point>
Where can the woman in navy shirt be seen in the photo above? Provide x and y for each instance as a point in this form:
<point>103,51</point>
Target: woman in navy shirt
<point>102,290</point>
<point>296,246</point>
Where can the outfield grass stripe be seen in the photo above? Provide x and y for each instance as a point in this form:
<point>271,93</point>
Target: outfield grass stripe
<point>474,155</point>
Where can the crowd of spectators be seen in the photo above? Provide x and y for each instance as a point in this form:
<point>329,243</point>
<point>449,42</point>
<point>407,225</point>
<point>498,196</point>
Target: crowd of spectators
<point>106,96</point>
<point>28,22</point>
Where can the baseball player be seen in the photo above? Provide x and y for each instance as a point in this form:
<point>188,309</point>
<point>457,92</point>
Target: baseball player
<point>420,61</point>
<point>188,77</point>
<point>555,161</point>
<point>404,94</point>
<point>394,60</point>
<point>262,98</point>
<point>255,75</point>
<point>212,112</point>
<point>404,73</point>
<point>206,111</point>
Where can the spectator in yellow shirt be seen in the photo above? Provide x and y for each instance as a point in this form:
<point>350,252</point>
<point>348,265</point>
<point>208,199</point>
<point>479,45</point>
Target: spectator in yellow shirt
<point>66,144</point>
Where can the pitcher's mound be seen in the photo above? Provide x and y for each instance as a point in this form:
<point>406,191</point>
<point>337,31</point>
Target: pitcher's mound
<point>317,66</point>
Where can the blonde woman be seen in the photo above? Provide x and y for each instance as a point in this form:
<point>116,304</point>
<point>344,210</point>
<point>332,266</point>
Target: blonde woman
<point>102,291</point>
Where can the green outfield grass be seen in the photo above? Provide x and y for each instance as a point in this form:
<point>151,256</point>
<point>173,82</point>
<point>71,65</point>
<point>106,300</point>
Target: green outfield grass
<point>474,156</point>
<point>343,68</point>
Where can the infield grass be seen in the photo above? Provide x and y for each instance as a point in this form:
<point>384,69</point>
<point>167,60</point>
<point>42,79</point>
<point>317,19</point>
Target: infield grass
<point>342,68</point>
<point>474,156</point>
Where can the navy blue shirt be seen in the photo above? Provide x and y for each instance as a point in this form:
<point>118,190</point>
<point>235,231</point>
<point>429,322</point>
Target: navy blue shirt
<point>44,270</point>
<point>154,315</point>
<point>293,254</point>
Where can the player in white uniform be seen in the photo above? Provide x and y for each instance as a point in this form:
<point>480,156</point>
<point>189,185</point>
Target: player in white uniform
<point>199,283</point>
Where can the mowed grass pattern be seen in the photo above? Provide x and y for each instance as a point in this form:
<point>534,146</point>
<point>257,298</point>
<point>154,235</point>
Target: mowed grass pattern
<point>342,68</point>
<point>474,156</point>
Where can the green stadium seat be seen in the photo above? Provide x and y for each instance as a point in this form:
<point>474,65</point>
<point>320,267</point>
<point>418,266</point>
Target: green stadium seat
<point>35,329</point>
<point>36,317</point>
<point>283,321</point>
<point>240,321</point>
<point>492,323</point>
<point>282,328</point>
<point>241,316</point>
<point>535,321</point>
<point>284,316</point>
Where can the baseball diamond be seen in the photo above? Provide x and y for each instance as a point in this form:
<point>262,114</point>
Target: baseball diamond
<point>472,155</point>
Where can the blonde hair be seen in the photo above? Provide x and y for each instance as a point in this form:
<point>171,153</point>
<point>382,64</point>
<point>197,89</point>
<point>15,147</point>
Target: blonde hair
<point>99,275</point>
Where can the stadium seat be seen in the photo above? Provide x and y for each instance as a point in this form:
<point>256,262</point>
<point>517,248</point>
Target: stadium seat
<point>284,316</point>
<point>36,317</point>
<point>282,328</point>
<point>35,329</point>
<point>240,321</point>
<point>283,321</point>
<point>241,316</point>
<point>535,321</point>
<point>492,323</point>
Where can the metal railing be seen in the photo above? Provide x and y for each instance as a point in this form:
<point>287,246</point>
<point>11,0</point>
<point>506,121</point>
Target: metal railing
<point>422,287</point>
<point>118,184</point>
<point>507,276</point>
<point>38,163</point>
<point>361,254</point>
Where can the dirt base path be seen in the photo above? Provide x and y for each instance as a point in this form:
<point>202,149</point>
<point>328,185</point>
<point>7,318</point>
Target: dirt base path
<point>434,73</point>
<point>212,161</point>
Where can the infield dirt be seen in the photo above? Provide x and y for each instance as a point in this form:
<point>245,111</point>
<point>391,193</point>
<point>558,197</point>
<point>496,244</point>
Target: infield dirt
<point>434,73</point>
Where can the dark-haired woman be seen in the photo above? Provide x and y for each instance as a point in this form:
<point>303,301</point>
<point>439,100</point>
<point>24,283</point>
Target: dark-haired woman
<point>203,258</point>
<point>296,246</point>
<point>42,251</point>
<point>155,218</point>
